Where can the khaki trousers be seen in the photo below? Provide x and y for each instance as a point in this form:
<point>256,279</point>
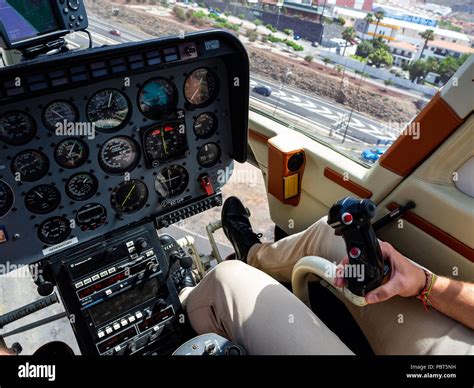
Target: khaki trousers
<point>252,309</point>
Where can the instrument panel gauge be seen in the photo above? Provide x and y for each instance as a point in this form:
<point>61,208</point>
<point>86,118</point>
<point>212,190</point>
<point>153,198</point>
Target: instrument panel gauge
<point>164,143</point>
<point>91,216</point>
<point>59,113</point>
<point>71,153</point>
<point>157,96</point>
<point>17,128</point>
<point>42,199</point>
<point>7,198</point>
<point>54,230</point>
<point>171,181</point>
<point>209,155</point>
<point>119,154</point>
<point>205,125</point>
<point>129,196</point>
<point>30,165</point>
<point>201,87</point>
<point>81,186</point>
<point>108,110</point>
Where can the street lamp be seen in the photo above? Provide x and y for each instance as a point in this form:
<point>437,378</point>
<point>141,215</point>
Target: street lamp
<point>279,5</point>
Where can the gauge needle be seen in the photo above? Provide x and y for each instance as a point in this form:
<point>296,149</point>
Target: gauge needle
<point>128,195</point>
<point>38,194</point>
<point>72,148</point>
<point>56,113</point>
<point>110,101</point>
<point>164,142</point>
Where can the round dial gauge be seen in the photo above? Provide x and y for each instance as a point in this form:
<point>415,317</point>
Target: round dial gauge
<point>165,142</point>
<point>71,153</point>
<point>129,196</point>
<point>59,113</point>
<point>119,154</point>
<point>54,230</point>
<point>7,198</point>
<point>32,165</point>
<point>81,186</point>
<point>42,199</point>
<point>108,110</point>
<point>171,181</point>
<point>157,96</point>
<point>209,154</point>
<point>201,87</point>
<point>17,128</point>
<point>205,125</point>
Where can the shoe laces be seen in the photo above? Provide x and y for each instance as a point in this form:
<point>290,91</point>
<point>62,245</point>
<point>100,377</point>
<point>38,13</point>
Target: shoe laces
<point>246,230</point>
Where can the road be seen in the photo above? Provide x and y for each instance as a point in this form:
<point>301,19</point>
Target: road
<point>325,113</point>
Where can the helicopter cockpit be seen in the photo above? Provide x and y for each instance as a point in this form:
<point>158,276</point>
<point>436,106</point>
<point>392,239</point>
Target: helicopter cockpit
<point>103,150</point>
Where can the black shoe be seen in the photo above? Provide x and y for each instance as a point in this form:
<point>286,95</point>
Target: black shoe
<point>237,228</point>
<point>182,278</point>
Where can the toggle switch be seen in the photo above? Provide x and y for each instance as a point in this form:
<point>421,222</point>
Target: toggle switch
<point>206,184</point>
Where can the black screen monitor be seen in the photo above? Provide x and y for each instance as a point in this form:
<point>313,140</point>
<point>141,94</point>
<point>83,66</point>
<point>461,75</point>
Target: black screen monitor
<point>23,20</point>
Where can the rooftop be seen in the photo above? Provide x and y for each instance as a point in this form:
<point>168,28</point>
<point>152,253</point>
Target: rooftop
<point>451,46</point>
<point>403,46</point>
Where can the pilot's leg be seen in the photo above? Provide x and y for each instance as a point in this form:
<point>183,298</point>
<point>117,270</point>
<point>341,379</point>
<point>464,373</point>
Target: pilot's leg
<point>253,310</point>
<point>397,326</point>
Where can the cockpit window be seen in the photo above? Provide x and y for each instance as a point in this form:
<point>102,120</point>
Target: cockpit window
<point>349,78</point>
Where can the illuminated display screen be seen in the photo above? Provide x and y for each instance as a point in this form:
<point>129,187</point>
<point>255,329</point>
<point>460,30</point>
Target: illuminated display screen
<point>120,304</point>
<point>101,285</point>
<point>27,19</point>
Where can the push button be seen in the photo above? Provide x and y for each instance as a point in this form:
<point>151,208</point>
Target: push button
<point>347,218</point>
<point>354,252</point>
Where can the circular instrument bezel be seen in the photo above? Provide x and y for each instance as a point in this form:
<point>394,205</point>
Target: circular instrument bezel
<point>162,187</point>
<point>156,112</point>
<point>208,133</point>
<point>35,207</point>
<point>61,237</point>
<point>36,177</point>
<point>90,194</point>
<point>215,159</point>
<point>119,170</point>
<point>52,127</point>
<point>212,95</point>
<point>138,205</point>
<point>9,199</point>
<point>32,129</point>
<point>78,162</point>
<point>124,120</point>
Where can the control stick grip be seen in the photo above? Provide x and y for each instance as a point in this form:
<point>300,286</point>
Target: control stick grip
<point>28,310</point>
<point>351,218</point>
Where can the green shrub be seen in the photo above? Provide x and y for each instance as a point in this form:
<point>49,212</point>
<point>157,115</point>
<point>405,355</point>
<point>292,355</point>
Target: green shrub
<point>271,28</point>
<point>388,82</point>
<point>288,31</point>
<point>227,13</point>
<point>241,16</point>
<point>179,12</point>
<point>264,39</point>
<point>257,22</point>
<point>309,58</point>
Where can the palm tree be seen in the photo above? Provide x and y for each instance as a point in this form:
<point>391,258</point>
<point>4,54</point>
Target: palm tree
<point>378,16</point>
<point>348,35</point>
<point>369,18</point>
<point>427,36</point>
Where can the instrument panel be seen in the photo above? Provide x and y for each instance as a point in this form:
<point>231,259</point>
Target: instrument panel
<point>143,129</point>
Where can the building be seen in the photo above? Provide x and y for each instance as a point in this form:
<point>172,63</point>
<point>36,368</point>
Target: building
<point>403,53</point>
<point>440,49</point>
<point>403,14</point>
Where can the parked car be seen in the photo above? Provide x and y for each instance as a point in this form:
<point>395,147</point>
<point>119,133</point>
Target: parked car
<point>315,44</point>
<point>263,90</point>
<point>372,155</point>
<point>115,32</point>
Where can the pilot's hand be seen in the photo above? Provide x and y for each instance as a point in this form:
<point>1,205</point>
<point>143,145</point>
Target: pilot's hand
<point>6,352</point>
<point>406,279</point>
